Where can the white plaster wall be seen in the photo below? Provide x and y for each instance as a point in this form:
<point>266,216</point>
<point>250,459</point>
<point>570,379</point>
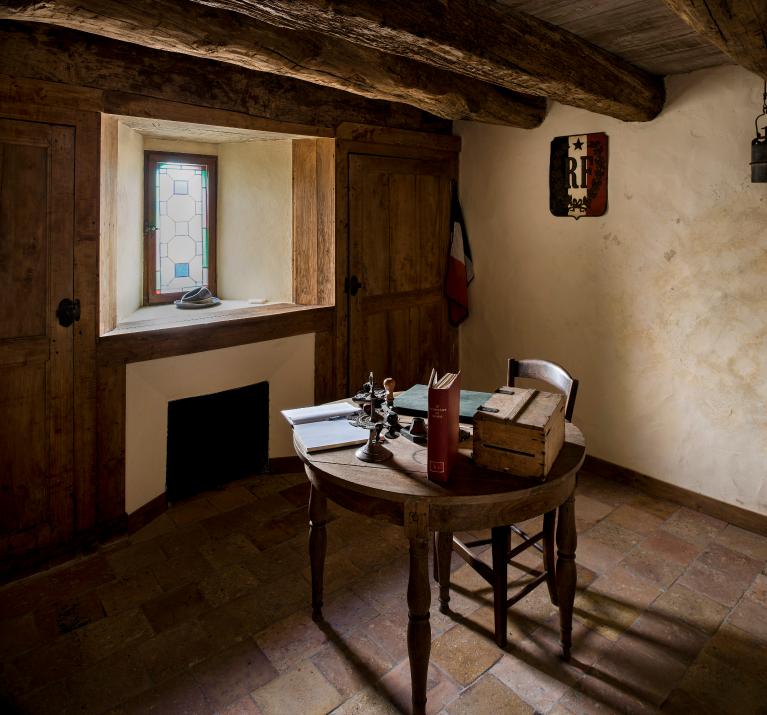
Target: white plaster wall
<point>659,307</point>
<point>287,364</point>
<point>130,220</point>
<point>255,221</point>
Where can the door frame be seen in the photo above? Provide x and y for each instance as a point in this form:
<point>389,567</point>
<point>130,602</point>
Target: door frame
<point>386,143</point>
<point>19,103</point>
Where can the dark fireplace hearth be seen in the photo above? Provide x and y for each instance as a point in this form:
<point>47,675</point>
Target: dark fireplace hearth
<point>214,439</point>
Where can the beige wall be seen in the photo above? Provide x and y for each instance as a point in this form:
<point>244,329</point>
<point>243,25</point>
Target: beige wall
<point>287,364</point>
<point>255,221</point>
<point>659,307</point>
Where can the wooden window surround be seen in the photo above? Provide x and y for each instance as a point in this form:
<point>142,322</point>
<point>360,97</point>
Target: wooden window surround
<point>206,248</point>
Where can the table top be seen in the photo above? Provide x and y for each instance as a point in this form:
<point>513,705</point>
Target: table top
<point>403,478</point>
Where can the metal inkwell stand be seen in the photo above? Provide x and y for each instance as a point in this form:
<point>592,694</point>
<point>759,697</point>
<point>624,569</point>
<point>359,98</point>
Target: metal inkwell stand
<point>377,414</point>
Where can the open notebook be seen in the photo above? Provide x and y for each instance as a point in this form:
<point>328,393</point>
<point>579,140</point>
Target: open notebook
<point>325,426</point>
<point>329,434</point>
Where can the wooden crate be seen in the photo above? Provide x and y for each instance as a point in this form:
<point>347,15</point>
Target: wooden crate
<point>520,431</point>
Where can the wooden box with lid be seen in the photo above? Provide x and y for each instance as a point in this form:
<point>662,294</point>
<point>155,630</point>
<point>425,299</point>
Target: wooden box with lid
<point>520,431</point>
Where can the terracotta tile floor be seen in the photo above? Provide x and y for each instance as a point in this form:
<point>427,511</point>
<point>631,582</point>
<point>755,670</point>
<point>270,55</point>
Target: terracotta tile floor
<point>205,610</point>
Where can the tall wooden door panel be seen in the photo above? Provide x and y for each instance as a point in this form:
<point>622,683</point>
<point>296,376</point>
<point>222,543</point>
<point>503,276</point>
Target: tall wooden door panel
<point>36,353</point>
<point>399,216</point>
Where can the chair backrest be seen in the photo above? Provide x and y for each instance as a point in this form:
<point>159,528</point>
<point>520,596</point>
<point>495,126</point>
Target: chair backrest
<point>550,373</point>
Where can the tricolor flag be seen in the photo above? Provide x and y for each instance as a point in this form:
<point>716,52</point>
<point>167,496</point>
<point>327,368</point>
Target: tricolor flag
<point>460,271</point>
<point>578,175</point>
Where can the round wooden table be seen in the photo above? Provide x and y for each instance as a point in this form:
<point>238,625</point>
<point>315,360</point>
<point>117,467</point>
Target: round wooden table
<point>475,498</point>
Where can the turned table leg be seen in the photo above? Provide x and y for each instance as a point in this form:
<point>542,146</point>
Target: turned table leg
<point>318,543</point>
<point>419,629</point>
<point>444,552</point>
<point>566,571</point>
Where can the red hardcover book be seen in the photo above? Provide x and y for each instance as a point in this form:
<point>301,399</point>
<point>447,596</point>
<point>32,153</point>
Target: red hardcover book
<point>444,408</point>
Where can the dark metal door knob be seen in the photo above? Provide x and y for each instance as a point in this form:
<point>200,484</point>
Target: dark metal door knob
<point>68,312</point>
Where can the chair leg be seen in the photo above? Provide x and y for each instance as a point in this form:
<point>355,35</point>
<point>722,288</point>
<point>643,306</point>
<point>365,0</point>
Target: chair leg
<point>500,552</point>
<point>435,557</point>
<point>549,522</point>
<point>443,548</point>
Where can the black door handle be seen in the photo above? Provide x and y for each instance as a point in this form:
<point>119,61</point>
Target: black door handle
<point>352,285</point>
<point>68,312</point>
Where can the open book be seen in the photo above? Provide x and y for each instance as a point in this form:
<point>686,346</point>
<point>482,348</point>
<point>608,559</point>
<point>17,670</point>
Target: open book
<point>325,426</point>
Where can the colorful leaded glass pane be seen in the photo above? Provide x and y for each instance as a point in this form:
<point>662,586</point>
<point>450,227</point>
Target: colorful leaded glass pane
<point>181,249</point>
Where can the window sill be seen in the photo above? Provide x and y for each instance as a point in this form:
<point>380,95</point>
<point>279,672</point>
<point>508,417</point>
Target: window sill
<point>164,330</point>
<point>152,317</point>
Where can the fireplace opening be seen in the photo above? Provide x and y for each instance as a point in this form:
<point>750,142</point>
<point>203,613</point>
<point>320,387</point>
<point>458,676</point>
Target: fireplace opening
<point>214,439</point>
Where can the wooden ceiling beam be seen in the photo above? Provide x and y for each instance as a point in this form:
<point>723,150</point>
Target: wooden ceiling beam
<point>479,39</point>
<point>215,34</point>
<point>54,54</point>
<point>737,27</point>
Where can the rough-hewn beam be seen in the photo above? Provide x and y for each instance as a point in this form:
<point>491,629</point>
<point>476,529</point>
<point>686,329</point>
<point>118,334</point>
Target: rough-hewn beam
<point>212,33</point>
<point>54,54</point>
<point>737,27</point>
<point>480,39</point>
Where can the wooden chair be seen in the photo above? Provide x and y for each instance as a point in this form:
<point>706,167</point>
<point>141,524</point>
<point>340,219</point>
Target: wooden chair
<point>500,540</point>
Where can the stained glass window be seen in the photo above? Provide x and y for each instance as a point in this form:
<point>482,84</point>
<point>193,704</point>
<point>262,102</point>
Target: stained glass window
<point>180,231</point>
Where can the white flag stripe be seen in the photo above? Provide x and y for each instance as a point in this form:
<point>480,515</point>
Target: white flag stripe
<point>576,153</point>
<point>456,245</point>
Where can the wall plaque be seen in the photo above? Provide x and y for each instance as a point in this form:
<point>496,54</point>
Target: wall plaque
<point>578,175</point>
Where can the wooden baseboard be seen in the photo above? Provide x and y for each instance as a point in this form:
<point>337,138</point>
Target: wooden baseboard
<point>285,465</point>
<point>736,515</point>
<point>151,510</point>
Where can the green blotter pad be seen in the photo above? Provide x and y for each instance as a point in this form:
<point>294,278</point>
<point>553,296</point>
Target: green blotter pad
<point>414,402</point>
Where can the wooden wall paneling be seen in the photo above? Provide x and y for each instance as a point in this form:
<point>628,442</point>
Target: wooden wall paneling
<point>86,289</point>
<point>397,138</point>
<point>324,367</point>
<point>62,384</point>
<point>26,98</point>
<point>326,215</point>
<point>37,214</point>
<point>111,441</point>
<point>305,222</point>
<point>313,221</point>
<point>342,267</point>
<point>271,324</point>
<point>108,242</point>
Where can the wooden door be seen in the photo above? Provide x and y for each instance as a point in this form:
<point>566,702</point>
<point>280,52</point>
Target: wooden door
<point>399,231</point>
<point>36,353</point>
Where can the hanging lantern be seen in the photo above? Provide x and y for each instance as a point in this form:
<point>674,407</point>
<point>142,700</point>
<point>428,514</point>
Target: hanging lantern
<point>759,147</point>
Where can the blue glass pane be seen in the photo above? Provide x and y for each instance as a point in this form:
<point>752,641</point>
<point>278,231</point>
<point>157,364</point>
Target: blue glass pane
<point>182,270</point>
